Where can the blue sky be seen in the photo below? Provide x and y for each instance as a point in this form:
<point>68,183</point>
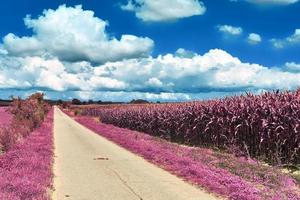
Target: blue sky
<point>118,50</point>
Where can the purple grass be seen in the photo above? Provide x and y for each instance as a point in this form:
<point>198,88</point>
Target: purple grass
<point>200,166</point>
<point>26,169</point>
<point>5,116</point>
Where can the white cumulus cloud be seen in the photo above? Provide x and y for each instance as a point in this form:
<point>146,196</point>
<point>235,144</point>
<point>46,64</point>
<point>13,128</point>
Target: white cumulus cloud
<point>292,66</point>
<point>290,40</point>
<point>214,71</point>
<point>270,2</point>
<point>52,74</point>
<point>164,10</point>
<point>228,29</point>
<point>162,76</point>
<point>74,34</point>
<point>254,38</point>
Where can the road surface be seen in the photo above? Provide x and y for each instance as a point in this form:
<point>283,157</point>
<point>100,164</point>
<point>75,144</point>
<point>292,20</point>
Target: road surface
<point>89,167</point>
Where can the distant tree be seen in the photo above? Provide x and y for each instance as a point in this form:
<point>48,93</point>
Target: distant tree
<point>90,102</point>
<point>59,102</point>
<point>66,104</point>
<point>138,101</point>
<point>76,102</point>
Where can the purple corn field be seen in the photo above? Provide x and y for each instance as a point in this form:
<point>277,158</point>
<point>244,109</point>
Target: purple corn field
<point>263,126</point>
<point>220,173</point>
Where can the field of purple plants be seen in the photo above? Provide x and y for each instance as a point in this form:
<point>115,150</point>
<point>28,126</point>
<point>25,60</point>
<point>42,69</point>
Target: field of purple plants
<point>26,149</point>
<point>266,127</point>
<point>26,168</point>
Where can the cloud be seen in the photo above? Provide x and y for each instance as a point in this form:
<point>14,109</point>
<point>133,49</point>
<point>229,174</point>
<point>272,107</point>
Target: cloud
<point>254,38</point>
<point>164,10</point>
<point>273,2</point>
<point>214,71</point>
<point>291,40</point>
<point>73,34</point>
<point>184,53</point>
<point>292,66</point>
<point>52,74</point>
<point>269,2</point>
<point>231,30</point>
<point>155,82</point>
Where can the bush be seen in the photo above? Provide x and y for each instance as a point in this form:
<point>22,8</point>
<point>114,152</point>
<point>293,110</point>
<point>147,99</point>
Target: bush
<point>27,114</point>
<point>7,138</point>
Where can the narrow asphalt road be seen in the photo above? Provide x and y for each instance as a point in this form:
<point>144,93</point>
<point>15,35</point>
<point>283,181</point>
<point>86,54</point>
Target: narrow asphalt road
<point>89,167</point>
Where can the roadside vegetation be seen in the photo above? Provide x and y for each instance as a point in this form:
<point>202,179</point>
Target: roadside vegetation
<point>26,143</point>
<point>244,147</point>
<point>26,115</point>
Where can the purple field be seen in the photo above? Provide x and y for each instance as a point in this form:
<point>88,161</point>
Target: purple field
<point>264,127</point>
<point>5,116</point>
<point>219,173</point>
<point>229,141</point>
<point>26,169</point>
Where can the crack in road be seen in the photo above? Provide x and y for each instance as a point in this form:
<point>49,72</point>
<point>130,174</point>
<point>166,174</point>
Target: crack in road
<point>125,183</point>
